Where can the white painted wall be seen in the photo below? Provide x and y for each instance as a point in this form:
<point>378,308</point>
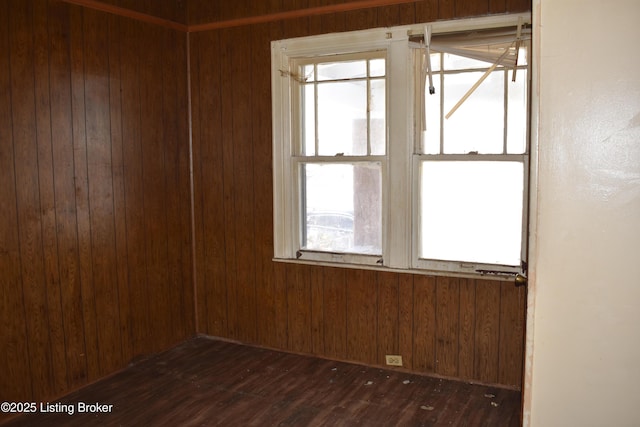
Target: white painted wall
<point>583,344</point>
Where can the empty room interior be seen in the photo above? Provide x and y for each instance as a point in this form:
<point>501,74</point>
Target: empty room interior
<point>319,212</point>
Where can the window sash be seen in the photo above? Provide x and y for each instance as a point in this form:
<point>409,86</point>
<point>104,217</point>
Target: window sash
<point>298,196</point>
<point>300,83</point>
<point>435,265</point>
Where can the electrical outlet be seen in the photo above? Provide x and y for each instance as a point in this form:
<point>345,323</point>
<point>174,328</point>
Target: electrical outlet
<point>393,360</point>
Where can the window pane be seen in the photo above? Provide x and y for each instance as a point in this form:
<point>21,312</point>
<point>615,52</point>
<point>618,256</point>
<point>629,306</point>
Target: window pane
<point>342,70</point>
<point>431,136</point>
<point>471,211</point>
<point>308,120</point>
<point>478,125</point>
<point>517,113</point>
<point>377,68</point>
<point>455,62</point>
<point>342,115</point>
<point>377,114</point>
<point>308,73</point>
<point>342,208</point>
<point>435,61</point>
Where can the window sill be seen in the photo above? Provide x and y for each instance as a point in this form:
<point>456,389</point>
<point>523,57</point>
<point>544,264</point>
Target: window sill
<point>439,273</point>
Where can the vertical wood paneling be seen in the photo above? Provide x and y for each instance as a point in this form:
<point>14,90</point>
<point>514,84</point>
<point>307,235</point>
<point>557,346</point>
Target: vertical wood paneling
<point>154,183</point>
<point>497,6</point>
<point>360,19</point>
<point>47,198</point>
<point>388,316</point>
<point>299,308</point>
<point>16,382</point>
<point>405,319</point>
<point>209,167</point>
<point>280,319</point>
<point>100,191</point>
<point>467,324</point>
<point>471,8</point>
<point>96,239</point>
<point>335,313</point>
<point>195,69</point>
<point>79,139</point>
<point>227,46</point>
<point>64,184</point>
<point>514,6</point>
<point>408,14</point>
<point>424,323</point>
<point>28,193</point>
<point>86,137</point>
<point>487,333</point>
<point>430,10</point>
<point>119,202</point>
<point>242,72</point>
<point>134,199</point>
<point>262,183</point>
<point>362,325</point>
<point>436,326</point>
<point>512,322</point>
<point>178,183</point>
<point>317,310</point>
<point>447,326</point>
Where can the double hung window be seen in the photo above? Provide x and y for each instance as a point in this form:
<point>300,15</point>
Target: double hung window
<point>404,148</point>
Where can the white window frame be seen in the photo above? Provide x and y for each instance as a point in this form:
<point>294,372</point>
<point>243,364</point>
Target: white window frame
<point>399,168</point>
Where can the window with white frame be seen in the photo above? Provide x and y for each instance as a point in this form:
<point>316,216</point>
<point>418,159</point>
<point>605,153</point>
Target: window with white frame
<point>404,148</point>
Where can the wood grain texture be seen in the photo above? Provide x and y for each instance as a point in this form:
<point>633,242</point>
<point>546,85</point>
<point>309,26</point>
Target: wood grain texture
<point>432,322</point>
<point>362,321</point>
<point>12,321</point>
<point>299,308</point>
<point>388,312</point>
<point>95,247</point>
<point>92,137</point>
<point>424,324</point>
<point>467,325</point>
<point>47,198</point>
<point>205,382</point>
<point>512,323</point>
<point>29,224</point>
<point>447,326</point>
<point>64,187</point>
<point>487,333</point>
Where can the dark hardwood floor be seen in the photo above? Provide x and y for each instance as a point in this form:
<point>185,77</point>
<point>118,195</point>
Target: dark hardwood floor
<point>205,382</point>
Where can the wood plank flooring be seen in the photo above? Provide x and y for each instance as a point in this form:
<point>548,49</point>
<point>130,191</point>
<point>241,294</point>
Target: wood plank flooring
<point>206,382</point>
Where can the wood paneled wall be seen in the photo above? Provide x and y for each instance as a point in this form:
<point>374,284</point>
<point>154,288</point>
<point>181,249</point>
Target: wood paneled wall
<point>95,236</point>
<point>95,206</point>
<point>470,329</point>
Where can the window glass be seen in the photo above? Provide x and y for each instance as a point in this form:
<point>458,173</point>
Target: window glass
<point>478,124</point>
<point>342,207</point>
<point>431,136</point>
<point>309,120</point>
<point>342,70</point>
<point>471,211</point>
<point>342,118</point>
<point>377,113</point>
<point>517,113</point>
<point>377,67</point>
<point>455,62</point>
